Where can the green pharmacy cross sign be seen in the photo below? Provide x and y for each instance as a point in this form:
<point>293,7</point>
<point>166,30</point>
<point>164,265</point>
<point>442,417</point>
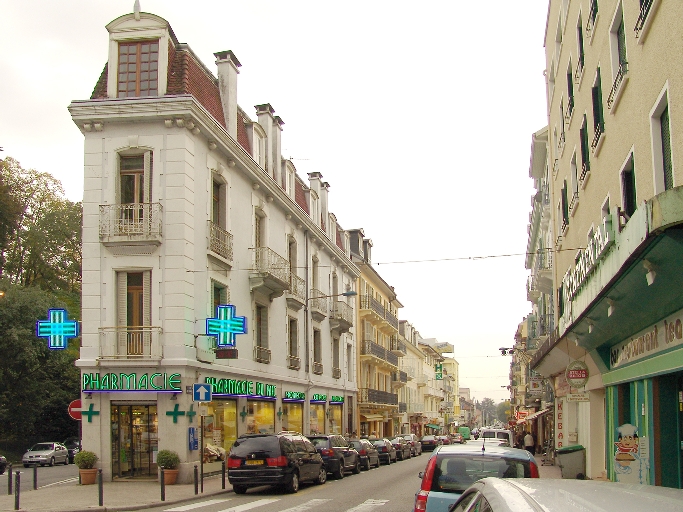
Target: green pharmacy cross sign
<point>438,371</point>
<point>58,329</point>
<point>225,326</point>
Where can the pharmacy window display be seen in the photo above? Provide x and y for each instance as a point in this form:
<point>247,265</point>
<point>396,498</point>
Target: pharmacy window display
<point>317,419</point>
<point>220,429</point>
<point>260,417</point>
<point>293,416</point>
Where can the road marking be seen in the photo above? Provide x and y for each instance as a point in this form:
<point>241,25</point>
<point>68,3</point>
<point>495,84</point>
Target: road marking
<point>249,506</point>
<point>307,506</point>
<point>195,505</point>
<point>60,482</point>
<point>368,505</point>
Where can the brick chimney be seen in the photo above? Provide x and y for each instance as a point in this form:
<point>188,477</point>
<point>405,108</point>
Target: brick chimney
<point>267,121</point>
<point>227,65</point>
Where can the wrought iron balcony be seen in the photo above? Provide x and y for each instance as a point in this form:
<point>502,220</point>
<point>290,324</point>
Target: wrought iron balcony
<point>317,301</point>
<point>293,363</point>
<point>270,274</point>
<point>131,222</point>
<point>296,295</point>
<point>599,130</point>
<point>415,407</point>
<point>379,353</point>
<point>261,355</point>
<point>341,317</point>
<point>546,324</point>
<point>336,373</point>
<point>375,396</point>
<point>585,170</point>
<point>220,241</point>
<point>592,16</point>
<point>409,371</point>
<point>574,202</point>
<point>402,407</point>
<point>642,17</point>
<point>370,305</point>
<point>422,380</point>
<point>130,343</point>
<point>317,368</point>
<point>570,109</point>
<point>618,80</point>
<point>399,378</point>
<point>397,346</point>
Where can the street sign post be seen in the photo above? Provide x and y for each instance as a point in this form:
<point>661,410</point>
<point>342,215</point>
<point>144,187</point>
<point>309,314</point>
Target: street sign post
<point>201,393</point>
<point>74,409</point>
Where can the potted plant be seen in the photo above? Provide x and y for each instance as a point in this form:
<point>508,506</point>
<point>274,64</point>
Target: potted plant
<point>85,461</point>
<point>169,460</point>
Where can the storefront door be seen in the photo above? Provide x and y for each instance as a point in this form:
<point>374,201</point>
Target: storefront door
<point>134,440</point>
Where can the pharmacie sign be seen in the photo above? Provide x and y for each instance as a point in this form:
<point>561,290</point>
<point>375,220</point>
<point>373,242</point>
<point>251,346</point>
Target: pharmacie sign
<point>661,336</point>
<point>587,260</point>
<point>234,387</point>
<point>110,382</point>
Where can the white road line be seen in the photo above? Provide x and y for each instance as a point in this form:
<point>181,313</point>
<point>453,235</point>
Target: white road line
<point>195,505</point>
<point>368,505</point>
<point>307,506</point>
<point>249,506</point>
<point>60,482</point>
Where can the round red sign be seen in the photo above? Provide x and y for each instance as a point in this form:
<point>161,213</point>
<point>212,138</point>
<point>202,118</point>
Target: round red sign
<point>577,374</point>
<point>74,409</point>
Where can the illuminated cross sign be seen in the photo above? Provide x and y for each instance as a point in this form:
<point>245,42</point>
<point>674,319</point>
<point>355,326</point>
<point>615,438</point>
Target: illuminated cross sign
<point>57,329</point>
<point>225,326</point>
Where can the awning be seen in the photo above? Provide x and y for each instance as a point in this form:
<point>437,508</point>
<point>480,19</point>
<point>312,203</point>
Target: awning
<point>537,414</point>
<point>432,425</point>
<point>373,417</point>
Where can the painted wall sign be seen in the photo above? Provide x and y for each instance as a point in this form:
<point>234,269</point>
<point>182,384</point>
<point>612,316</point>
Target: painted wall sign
<point>58,329</point>
<point>658,337</point>
<point>113,382</point>
<point>317,397</point>
<point>577,397</point>
<point>225,326</point>
<point>250,388</point>
<point>337,399</point>
<point>577,374</point>
<point>587,259</point>
<point>295,395</point>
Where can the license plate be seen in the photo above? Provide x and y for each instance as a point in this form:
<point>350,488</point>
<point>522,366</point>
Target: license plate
<point>254,462</point>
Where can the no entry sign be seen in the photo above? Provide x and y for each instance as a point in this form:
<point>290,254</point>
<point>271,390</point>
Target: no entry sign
<point>75,409</point>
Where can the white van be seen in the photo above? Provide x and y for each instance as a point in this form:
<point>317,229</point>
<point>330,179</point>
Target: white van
<point>498,434</point>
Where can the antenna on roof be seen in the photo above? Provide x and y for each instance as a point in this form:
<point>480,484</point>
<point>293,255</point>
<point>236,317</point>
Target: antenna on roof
<point>136,10</point>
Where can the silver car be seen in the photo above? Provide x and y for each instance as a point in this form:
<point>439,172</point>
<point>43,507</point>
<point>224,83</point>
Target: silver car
<point>46,453</point>
<point>555,495</point>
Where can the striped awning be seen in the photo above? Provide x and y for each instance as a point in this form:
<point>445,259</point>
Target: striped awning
<point>537,414</point>
<point>432,425</point>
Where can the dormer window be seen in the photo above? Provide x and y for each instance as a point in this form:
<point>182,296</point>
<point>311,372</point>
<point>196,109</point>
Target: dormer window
<point>138,69</point>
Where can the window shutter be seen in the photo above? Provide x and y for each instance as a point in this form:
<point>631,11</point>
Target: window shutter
<point>264,327</point>
<point>122,312</point>
<point>666,149</point>
<point>621,43</point>
<point>147,184</point>
<point>147,309</point>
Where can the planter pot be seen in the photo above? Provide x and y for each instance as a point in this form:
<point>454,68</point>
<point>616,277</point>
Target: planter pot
<point>88,476</point>
<point>170,476</point>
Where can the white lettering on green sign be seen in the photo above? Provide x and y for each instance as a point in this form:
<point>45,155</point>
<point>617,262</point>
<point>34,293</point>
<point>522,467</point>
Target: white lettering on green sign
<point>319,398</point>
<point>337,399</point>
<point>241,387</point>
<point>295,395</point>
<point>131,382</point>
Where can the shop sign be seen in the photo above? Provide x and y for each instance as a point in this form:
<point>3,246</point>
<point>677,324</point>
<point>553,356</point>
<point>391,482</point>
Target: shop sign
<point>520,415</point>
<point>536,386</point>
<point>337,399</point>
<point>233,387</point>
<point>587,260</point>
<point>438,371</point>
<point>110,382</point>
<point>57,330</point>
<point>656,338</point>
<point>577,374</point>
<point>577,397</point>
<point>317,397</point>
<point>295,395</point>
<point>225,326</point>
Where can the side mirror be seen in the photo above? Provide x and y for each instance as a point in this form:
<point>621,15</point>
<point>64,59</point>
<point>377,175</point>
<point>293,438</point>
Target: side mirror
<point>420,475</point>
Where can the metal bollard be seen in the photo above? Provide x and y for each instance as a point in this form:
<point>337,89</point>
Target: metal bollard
<point>196,480</point>
<point>163,485</point>
<point>17,485</point>
<point>223,474</point>
<point>9,480</point>
<point>35,477</point>
<point>100,486</point>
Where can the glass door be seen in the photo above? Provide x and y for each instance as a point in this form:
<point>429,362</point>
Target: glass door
<point>134,440</point>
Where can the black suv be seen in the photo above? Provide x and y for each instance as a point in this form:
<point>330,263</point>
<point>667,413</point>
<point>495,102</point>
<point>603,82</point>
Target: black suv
<point>338,455</point>
<point>73,445</point>
<point>284,459</point>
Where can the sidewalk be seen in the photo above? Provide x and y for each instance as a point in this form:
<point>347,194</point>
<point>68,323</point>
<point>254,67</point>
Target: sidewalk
<point>547,471</point>
<point>119,495</point>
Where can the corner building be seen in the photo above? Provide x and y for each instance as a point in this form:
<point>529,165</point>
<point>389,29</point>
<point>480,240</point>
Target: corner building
<point>188,205</point>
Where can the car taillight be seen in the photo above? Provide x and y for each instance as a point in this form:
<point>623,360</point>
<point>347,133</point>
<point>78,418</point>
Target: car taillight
<point>534,470</point>
<point>234,463</point>
<point>327,453</point>
<point>363,452</point>
<point>428,476</point>
<point>280,461</point>
<point>421,501</point>
<point>384,449</point>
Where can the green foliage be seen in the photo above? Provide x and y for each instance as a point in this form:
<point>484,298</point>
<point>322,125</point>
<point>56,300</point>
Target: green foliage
<point>168,459</point>
<point>85,459</point>
<point>503,411</point>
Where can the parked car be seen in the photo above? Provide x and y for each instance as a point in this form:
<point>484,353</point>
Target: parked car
<point>387,452</point>
<point>444,439</point>
<point>415,443</point>
<point>457,438</point>
<point>73,446</point>
<point>46,453</point>
<point>274,459</point>
<point>430,442</point>
<point>560,495</point>
<point>452,469</point>
<point>498,433</point>
<point>337,454</point>
<point>403,448</point>
<point>367,452</point>
<point>3,464</point>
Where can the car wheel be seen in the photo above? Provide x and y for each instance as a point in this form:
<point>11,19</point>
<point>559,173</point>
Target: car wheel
<point>293,486</point>
<point>367,465</point>
<point>66,461</point>
<point>379,462</point>
<point>52,461</point>
<point>339,474</point>
<point>239,489</point>
<point>322,476</point>
<point>356,468</point>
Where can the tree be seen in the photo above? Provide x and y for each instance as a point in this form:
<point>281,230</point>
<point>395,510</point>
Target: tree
<point>10,210</point>
<point>503,411</point>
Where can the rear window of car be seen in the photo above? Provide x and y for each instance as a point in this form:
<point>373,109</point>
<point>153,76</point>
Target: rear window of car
<point>269,446</point>
<point>357,445</point>
<point>455,473</point>
<point>428,438</point>
<point>319,442</point>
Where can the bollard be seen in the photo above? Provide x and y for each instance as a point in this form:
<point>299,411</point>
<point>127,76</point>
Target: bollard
<point>223,474</point>
<point>9,479</point>
<point>35,477</point>
<point>17,485</point>
<point>196,480</point>
<point>100,486</point>
<point>163,485</point>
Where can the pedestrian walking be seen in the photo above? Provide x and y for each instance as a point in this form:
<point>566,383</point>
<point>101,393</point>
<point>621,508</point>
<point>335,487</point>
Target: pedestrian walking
<point>529,443</point>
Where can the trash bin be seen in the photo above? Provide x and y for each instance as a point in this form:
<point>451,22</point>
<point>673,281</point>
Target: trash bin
<point>572,461</point>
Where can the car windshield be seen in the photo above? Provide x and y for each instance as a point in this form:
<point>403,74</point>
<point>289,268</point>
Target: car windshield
<point>41,447</point>
<point>454,473</point>
<point>267,445</point>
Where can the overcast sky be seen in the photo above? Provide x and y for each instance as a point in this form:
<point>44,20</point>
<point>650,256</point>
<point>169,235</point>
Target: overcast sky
<point>418,114</point>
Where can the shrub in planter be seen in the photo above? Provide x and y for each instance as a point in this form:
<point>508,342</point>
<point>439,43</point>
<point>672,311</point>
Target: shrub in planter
<point>170,461</point>
<point>85,459</point>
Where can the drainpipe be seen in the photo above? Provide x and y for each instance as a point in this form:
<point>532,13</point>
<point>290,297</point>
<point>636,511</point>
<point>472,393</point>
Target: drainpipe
<point>307,404</point>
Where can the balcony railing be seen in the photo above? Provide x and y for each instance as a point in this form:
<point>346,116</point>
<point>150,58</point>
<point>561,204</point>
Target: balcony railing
<point>397,346</point>
<point>220,241</point>
<point>342,311</point>
<point>592,16</point>
<point>368,302</point>
<point>270,274</point>
<point>618,80</point>
<point>585,169</point>
<point>570,109</point>
<point>599,130</point>
<point>409,371</point>
<point>642,17</point>
<point>402,407</point>
<point>546,324</point>
<point>399,377</point>
<point>375,396</point>
<point>579,69</point>
<point>133,343</point>
<point>336,373</point>
<point>296,295</point>
<point>293,362</point>
<point>422,380</point>
<point>317,368</point>
<point>261,354</point>
<point>544,259</point>
<point>318,301</point>
<point>574,202</point>
<point>132,220</point>
<point>415,407</point>
<point>370,348</point>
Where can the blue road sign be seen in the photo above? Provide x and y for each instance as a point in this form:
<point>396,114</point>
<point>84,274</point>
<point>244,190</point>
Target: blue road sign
<point>201,393</point>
